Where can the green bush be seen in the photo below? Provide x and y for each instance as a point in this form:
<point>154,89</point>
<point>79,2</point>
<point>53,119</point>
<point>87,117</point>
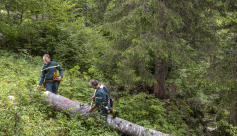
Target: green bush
<point>26,114</point>
<point>145,110</point>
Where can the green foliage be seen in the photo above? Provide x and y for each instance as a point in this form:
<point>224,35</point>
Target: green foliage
<point>140,31</point>
<point>26,114</point>
<point>77,44</point>
<point>44,27</point>
<point>32,25</point>
<point>145,110</point>
<point>226,127</point>
<point>196,38</point>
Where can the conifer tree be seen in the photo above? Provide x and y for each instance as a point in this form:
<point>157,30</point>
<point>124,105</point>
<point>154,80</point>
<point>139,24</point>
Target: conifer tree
<point>148,33</point>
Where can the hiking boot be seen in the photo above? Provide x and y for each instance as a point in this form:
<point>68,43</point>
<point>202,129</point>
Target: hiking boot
<point>115,113</point>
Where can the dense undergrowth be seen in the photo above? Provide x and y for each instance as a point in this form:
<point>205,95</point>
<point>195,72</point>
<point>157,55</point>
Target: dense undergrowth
<point>27,115</point>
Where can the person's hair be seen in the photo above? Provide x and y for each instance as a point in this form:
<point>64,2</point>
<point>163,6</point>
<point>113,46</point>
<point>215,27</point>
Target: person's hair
<point>93,82</point>
<point>46,55</point>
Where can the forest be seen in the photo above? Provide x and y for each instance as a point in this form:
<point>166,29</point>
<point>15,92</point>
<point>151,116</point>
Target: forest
<point>169,65</point>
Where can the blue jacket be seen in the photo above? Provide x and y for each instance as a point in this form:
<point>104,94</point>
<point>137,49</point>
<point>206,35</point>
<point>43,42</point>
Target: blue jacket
<point>48,70</point>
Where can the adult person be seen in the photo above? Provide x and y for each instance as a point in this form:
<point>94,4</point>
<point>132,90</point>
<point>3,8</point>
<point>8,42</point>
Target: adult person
<point>102,100</point>
<point>48,73</point>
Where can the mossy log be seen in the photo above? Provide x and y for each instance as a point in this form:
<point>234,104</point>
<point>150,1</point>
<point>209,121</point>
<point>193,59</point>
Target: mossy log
<point>59,103</point>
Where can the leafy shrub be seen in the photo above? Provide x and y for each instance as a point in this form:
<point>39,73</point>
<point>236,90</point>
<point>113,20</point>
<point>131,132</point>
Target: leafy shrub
<point>145,110</point>
<point>27,115</point>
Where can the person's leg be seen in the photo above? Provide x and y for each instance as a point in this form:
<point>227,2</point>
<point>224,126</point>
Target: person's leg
<point>55,87</point>
<point>105,115</point>
<point>114,112</point>
<point>48,86</point>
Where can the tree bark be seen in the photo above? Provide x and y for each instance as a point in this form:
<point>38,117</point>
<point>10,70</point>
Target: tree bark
<point>60,103</point>
<point>159,87</point>
<point>105,13</point>
<point>233,110</point>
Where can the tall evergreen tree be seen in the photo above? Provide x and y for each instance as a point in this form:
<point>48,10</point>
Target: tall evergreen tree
<point>222,70</point>
<point>147,34</point>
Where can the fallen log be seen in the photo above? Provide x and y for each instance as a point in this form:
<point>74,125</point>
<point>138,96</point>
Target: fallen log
<point>61,103</point>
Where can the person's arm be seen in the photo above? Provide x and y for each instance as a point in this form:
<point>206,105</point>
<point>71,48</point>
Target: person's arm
<point>42,76</point>
<point>93,107</point>
<point>59,68</point>
<point>98,100</point>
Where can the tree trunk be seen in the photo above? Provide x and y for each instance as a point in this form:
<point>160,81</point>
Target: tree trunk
<point>159,87</point>
<point>105,13</point>
<point>86,15</point>
<point>92,19</point>
<point>59,103</point>
<point>233,111</point>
